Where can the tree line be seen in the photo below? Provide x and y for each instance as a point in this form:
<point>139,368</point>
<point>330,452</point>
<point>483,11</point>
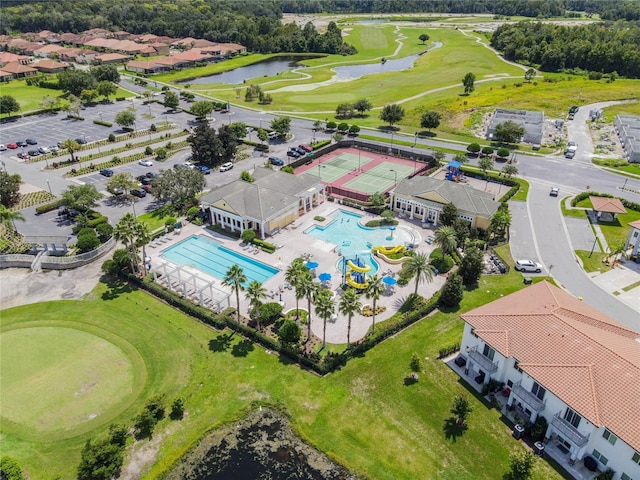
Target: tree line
<point>604,48</point>
<point>255,25</point>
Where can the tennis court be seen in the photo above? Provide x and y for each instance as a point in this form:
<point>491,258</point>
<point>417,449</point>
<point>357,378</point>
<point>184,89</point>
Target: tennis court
<point>358,172</point>
<point>379,178</point>
<point>344,164</point>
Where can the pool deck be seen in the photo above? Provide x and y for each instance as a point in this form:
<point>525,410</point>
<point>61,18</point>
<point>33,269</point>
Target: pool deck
<point>294,243</point>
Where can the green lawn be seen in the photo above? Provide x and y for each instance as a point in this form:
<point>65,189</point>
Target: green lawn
<point>593,262</point>
<point>363,415</point>
<point>616,232</point>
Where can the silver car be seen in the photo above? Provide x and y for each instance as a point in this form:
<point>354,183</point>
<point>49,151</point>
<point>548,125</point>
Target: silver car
<point>528,266</point>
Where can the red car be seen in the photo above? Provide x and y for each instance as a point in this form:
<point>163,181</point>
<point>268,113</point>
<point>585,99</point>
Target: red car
<point>12,146</point>
<point>306,148</point>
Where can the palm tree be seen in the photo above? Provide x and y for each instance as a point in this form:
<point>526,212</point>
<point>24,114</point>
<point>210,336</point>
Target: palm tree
<point>7,216</point>
<point>235,278</point>
<point>349,305</point>
<point>324,309</point>
<point>375,288</point>
<point>125,232</point>
<point>446,239</point>
<point>420,267</point>
<point>255,294</point>
<point>293,275</point>
<point>308,288</point>
<point>72,146</point>
<point>142,237</point>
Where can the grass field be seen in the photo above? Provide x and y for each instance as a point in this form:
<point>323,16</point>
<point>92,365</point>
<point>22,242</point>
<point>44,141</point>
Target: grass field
<point>363,415</point>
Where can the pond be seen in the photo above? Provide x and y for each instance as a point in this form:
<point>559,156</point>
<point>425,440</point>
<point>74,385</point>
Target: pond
<point>269,67</point>
<point>353,72</point>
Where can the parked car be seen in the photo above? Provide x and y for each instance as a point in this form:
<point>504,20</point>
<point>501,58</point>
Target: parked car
<point>152,174</point>
<point>67,212</point>
<point>301,151</point>
<point>31,141</point>
<point>204,169</point>
<point>528,266</point>
<point>571,116</point>
<point>3,147</point>
<point>107,172</point>
<point>33,153</point>
<point>276,161</point>
<point>44,150</point>
<point>138,192</point>
<point>53,148</point>
<point>22,143</point>
<point>569,154</point>
<point>145,162</point>
<point>118,191</point>
<point>81,141</point>
<point>306,148</point>
<point>145,180</point>
<point>12,146</point>
<point>554,191</point>
<point>23,156</point>
<point>293,153</point>
<point>226,166</point>
<point>146,187</point>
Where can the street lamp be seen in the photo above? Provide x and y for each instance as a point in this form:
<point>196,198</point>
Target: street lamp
<point>395,176</point>
<point>49,187</point>
<point>415,139</point>
<point>100,113</point>
<point>391,147</point>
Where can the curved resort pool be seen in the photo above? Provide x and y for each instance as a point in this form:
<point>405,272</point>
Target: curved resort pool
<point>212,258</point>
<point>352,239</point>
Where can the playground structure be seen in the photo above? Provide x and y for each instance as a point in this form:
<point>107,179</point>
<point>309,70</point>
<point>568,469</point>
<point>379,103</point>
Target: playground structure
<point>356,275</point>
<point>454,174</point>
<point>388,250</point>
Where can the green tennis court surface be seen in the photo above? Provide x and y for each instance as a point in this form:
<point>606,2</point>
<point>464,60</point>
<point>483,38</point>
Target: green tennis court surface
<point>379,178</point>
<point>339,166</point>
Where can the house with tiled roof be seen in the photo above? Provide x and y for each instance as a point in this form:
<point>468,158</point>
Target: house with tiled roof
<point>47,51</point>
<point>564,360</point>
<point>110,58</point>
<point>19,70</point>
<point>633,240</point>
<point>51,66</point>
<point>8,57</point>
<point>160,48</point>
<point>272,201</point>
<point>425,197</point>
<point>146,67</point>
<point>5,76</point>
<point>606,208</point>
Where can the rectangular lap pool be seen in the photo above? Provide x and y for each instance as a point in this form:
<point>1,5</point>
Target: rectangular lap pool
<point>212,258</point>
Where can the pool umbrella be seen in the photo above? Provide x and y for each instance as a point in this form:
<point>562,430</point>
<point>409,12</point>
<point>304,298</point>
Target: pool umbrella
<point>311,265</point>
<point>389,281</point>
<point>324,277</point>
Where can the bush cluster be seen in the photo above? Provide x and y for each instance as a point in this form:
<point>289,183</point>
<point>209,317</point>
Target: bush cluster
<point>48,207</point>
<point>266,246</point>
<point>103,123</point>
<point>445,352</point>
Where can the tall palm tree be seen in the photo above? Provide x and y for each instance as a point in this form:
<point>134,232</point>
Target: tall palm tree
<point>125,232</point>
<point>324,309</point>
<point>308,288</point>
<point>255,294</point>
<point>142,237</point>
<point>375,288</point>
<point>293,275</point>
<point>445,238</point>
<point>71,146</point>
<point>349,304</point>
<point>420,267</point>
<point>235,278</point>
<point>7,216</point>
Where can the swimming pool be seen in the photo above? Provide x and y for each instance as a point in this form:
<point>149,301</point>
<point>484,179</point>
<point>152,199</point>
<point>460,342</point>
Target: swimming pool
<point>213,258</point>
<point>353,239</point>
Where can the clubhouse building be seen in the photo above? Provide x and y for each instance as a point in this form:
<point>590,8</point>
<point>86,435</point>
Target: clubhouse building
<point>562,359</point>
<point>424,198</point>
<point>271,202</point>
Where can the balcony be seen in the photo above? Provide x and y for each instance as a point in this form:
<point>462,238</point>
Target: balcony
<point>568,431</point>
<point>527,397</point>
<point>483,362</point>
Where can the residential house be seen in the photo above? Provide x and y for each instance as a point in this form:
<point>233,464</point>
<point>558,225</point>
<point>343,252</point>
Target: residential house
<point>48,51</point>
<point>531,121</point>
<point>564,360</point>
<point>122,35</point>
<point>51,66</point>
<point>5,76</point>
<point>173,62</point>
<point>110,58</point>
<point>160,48</point>
<point>19,70</point>
<point>8,57</point>
<point>628,130</point>
<point>633,240</point>
<point>425,197</point>
<point>146,67</point>
<point>272,201</point>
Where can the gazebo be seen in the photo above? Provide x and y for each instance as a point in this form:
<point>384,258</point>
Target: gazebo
<point>606,209</point>
<point>633,240</point>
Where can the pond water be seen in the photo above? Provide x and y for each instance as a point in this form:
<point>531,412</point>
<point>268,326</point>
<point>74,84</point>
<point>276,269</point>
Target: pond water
<point>271,66</point>
<point>353,72</point>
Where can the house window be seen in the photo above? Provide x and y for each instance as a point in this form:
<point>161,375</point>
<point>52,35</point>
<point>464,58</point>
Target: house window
<point>636,458</point>
<point>610,437</point>
<point>601,458</point>
<point>509,384</point>
<point>488,352</point>
<point>516,365</point>
<point>572,417</point>
<point>624,476</point>
<point>538,390</point>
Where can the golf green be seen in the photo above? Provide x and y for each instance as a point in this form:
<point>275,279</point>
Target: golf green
<point>58,378</point>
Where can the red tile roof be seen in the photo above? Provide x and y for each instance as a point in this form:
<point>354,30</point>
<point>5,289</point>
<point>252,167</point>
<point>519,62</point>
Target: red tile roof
<point>609,205</point>
<point>16,68</point>
<point>50,65</point>
<point>635,224</point>
<point>588,360</point>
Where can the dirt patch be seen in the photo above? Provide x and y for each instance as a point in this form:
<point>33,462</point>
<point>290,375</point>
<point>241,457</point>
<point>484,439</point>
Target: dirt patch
<point>261,446</point>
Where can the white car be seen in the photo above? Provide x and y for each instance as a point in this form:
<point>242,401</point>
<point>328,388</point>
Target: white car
<point>145,163</point>
<point>528,266</point>
<point>226,166</point>
<point>3,147</point>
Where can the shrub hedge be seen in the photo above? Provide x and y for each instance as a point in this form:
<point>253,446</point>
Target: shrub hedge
<point>104,124</point>
<point>48,207</point>
<point>266,246</point>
